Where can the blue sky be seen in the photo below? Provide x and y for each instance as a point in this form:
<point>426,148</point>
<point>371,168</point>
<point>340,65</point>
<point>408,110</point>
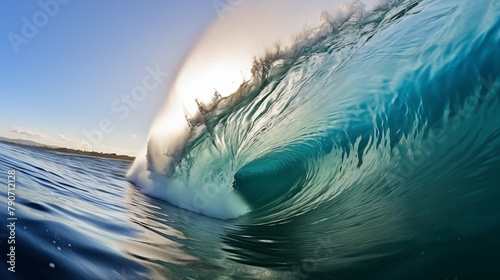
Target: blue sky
<point>82,58</point>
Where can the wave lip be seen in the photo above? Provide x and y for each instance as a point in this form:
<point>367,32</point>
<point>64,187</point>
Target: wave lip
<point>330,113</point>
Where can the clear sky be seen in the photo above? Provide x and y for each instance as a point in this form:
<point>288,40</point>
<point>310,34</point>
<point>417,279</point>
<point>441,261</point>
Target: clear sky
<point>93,74</point>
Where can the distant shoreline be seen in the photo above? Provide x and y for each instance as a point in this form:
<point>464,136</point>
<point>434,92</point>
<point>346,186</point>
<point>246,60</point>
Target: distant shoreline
<point>74,152</point>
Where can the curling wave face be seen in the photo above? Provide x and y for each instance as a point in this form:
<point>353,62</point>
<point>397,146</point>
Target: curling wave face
<point>369,110</point>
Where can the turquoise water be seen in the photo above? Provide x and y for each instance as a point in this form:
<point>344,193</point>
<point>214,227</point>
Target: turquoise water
<point>371,150</point>
<point>380,99</point>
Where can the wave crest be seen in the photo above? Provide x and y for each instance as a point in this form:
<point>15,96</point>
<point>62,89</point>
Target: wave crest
<point>330,113</point>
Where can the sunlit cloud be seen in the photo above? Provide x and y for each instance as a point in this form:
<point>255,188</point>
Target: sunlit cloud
<point>28,132</point>
<point>70,140</point>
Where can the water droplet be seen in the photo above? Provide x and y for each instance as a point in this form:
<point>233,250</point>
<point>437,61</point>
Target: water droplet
<point>53,241</point>
<point>24,227</point>
<point>59,248</point>
<point>52,265</point>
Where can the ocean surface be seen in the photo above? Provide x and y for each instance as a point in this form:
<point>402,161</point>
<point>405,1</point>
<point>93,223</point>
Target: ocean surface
<point>370,149</point>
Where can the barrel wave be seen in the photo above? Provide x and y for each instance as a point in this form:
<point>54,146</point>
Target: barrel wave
<point>377,122</point>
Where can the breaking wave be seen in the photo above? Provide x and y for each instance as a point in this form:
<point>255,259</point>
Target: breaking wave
<point>378,105</point>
